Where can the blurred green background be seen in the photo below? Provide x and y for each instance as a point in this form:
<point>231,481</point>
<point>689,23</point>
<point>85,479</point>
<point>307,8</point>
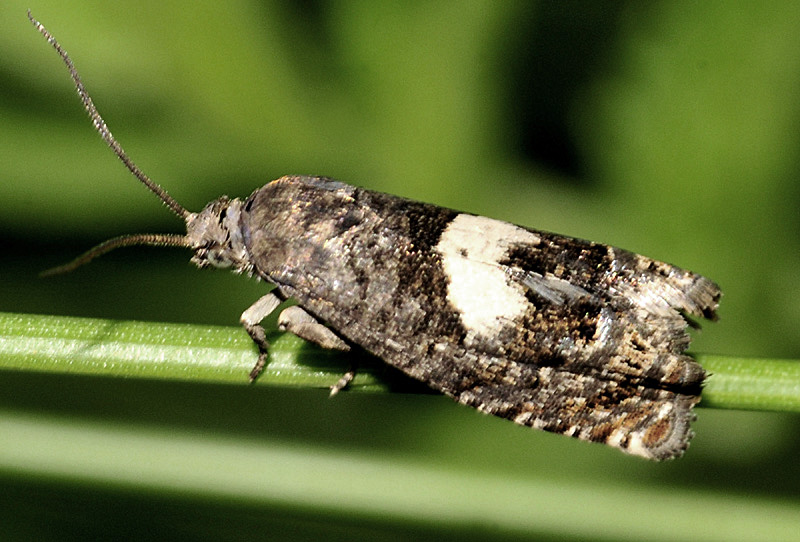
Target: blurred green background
<point>667,128</point>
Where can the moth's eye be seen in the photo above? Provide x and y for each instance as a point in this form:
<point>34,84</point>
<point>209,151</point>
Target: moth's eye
<point>218,257</point>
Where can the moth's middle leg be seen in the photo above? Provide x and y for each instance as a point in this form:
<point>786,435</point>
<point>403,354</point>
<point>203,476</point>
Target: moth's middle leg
<point>296,320</point>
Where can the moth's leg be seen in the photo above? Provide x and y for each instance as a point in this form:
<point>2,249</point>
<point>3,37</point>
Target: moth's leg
<point>251,320</point>
<point>297,321</point>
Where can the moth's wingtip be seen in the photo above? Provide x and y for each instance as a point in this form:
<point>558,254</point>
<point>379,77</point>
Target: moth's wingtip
<point>701,298</point>
<point>708,294</point>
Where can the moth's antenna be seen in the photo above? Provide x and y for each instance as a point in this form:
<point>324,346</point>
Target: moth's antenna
<point>152,239</point>
<point>105,133</point>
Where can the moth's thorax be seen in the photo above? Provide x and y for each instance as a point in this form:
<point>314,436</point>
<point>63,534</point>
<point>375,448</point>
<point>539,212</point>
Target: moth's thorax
<point>296,223</point>
<point>215,235</point>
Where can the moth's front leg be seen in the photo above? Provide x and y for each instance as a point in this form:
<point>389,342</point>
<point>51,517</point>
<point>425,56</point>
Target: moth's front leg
<point>251,320</point>
<point>297,321</point>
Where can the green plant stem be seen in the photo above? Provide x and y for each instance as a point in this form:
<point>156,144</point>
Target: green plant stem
<point>60,344</point>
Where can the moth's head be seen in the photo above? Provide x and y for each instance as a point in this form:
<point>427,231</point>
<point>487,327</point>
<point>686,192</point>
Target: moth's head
<point>215,235</point>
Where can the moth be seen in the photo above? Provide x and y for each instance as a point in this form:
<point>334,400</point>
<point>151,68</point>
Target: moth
<point>551,332</point>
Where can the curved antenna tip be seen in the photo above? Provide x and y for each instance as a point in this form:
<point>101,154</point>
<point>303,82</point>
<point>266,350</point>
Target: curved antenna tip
<point>101,127</point>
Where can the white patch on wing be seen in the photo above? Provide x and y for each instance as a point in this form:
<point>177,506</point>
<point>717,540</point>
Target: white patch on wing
<point>479,289</point>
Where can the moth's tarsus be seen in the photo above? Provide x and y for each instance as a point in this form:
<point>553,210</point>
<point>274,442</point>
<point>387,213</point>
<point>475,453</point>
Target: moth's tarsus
<point>343,382</point>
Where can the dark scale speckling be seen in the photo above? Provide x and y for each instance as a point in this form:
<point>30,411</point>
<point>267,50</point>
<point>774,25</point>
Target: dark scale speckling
<point>377,280</point>
<point>380,283</point>
<point>551,332</point>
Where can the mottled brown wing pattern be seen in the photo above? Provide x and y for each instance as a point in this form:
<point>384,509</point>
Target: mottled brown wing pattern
<point>551,332</point>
